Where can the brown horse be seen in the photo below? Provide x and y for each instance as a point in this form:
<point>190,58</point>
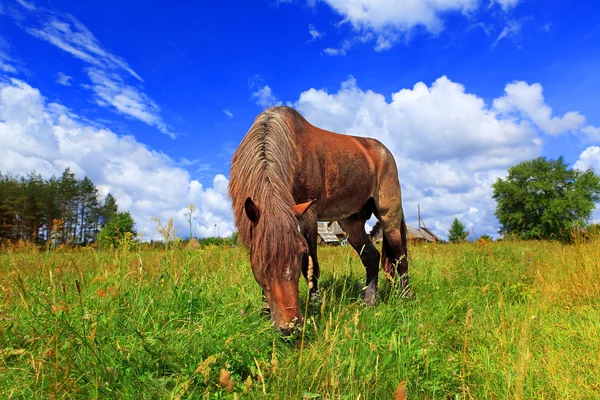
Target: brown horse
<point>285,175</point>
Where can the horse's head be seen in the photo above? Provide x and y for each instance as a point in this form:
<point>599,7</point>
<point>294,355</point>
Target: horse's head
<point>277,251</point>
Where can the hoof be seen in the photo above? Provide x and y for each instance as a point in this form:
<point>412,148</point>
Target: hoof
<point>370,297</point>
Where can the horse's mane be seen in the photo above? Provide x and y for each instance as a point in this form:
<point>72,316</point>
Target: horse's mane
<point>263,168</point>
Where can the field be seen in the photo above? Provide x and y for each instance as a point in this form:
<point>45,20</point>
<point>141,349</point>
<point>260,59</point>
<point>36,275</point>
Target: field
<point>489,321</point>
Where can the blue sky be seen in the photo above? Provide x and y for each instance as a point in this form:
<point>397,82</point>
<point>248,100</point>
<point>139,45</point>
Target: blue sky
<point>150,98</point>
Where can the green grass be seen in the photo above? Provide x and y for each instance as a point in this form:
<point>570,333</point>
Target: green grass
<point>496,321</point>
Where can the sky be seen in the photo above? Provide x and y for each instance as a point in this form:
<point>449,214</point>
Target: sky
<point>150,99</point>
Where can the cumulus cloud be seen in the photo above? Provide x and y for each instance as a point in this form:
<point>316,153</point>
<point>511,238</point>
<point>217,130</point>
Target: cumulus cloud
<point>46,137</point>
<point>109,73</point>
<point>590,158</point>
<point>265,98</point>
<point>527,101</point>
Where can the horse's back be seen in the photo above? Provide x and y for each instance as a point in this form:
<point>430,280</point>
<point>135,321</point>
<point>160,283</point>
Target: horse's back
<point>340,170</point>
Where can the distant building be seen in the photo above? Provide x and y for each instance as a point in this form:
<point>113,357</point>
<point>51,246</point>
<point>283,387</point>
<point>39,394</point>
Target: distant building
<point>421,235</point>
<point>330,233</point>
<point>415,235</point>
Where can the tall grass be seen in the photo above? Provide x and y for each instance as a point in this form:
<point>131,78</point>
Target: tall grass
<point>490,320</point>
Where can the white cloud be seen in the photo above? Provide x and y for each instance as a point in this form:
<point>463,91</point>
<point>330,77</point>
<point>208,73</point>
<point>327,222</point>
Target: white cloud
<point>68,34</point>
<point>27,5</point>
<point>527,101</point>
<point>265,98</point>
<point>315,34</point>
<point>341,51</point>
<point>108,72</point>
<point>387,20</point>
<point>511,30</point>
<point>589,158</point>
<point>111,90</point>
<point>227,113</point>
<point>401,14</point>
<point>46,137</point>
<point>506,4</point>
<point>5,66</point>
<point>63,79</point>
<point>6,62</point>
<point>593,133</point>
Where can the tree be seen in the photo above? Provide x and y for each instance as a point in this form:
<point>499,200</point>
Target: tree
<point>108,210</point>
<point>544,199</point>
<point>67,197</point>
<point>457,232</point>
<point>116,228</point>
<point>88,204</point>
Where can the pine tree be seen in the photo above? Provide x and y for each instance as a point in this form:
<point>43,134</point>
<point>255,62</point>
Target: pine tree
<point>457,232</point>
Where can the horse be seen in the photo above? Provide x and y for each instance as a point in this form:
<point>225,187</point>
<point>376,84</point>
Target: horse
<point>286,175</point>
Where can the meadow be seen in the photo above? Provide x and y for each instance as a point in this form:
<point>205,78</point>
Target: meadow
<point>501,320</point>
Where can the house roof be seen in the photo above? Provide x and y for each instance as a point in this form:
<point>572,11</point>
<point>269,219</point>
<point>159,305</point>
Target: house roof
<point>416,233</point>
<point>421,233</point>
<point>329,230</point>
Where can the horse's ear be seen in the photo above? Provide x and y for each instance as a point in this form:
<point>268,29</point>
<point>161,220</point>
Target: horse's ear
<point>252,210</point>
<point>301,209</point>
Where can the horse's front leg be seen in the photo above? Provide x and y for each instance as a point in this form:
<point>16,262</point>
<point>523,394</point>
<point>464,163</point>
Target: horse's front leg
<point>310,263</point>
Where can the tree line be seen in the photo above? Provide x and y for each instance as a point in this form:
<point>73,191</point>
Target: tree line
<point>539,199</point>
<point>64,209</point>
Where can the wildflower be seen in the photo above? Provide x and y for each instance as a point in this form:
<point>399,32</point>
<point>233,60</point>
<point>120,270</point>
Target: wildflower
<point>225,380</point>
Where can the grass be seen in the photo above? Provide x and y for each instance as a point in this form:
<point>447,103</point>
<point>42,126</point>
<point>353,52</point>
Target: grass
<point>490,320</point>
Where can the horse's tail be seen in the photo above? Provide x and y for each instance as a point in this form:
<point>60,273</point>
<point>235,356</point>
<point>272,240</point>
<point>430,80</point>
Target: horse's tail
<point>375,231</point>
<point>387,253</point>
<point>404,234</point>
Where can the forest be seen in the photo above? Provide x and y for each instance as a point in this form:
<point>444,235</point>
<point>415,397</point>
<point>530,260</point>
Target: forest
<point>62,210</point>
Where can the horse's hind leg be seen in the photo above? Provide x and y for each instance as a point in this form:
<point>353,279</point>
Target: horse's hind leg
<point>358,239</point>
<point>388,203</point>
